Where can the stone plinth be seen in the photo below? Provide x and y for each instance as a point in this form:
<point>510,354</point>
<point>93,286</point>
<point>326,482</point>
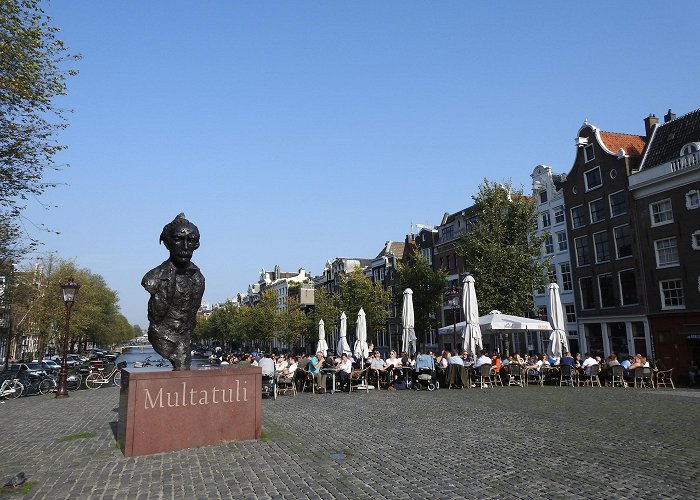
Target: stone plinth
<point>172,410</point>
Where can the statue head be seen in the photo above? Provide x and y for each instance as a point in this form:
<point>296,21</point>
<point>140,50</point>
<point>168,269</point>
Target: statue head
<point>181,238</point>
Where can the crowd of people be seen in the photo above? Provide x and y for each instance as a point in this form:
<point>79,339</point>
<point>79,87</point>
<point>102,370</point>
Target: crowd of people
<point>396,371</point>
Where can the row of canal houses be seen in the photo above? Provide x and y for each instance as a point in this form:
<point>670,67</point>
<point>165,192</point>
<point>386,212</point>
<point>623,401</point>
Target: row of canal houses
<point>622,235</point>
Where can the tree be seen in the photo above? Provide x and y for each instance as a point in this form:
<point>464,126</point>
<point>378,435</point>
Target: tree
<point>429,287</point>
<point>32,75</point>
<point>324,309</point>
<point>357,291</point>
<point>503,251</point>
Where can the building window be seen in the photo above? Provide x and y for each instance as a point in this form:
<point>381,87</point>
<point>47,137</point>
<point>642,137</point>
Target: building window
<point>623,241</point>
<point>628,287</point>
<point>666,252</point>
<point>546,219</point>
<point>570,311</point>
<point>593,178</point>
<point>562,242</point>
<point>689,149</point>
<point>583,251</point>
<point>542,313</point>
<point>566,280</point>
<point>428,255</point>
<point>577,217</point>
<point>552,274</point>
<point>586,288</point>
<point>692,199</point>
<point>597,210</point>
<point>548,244</point>
<point>695,242</point>
<point>559,215</point>
<point>661,212</point>
<point>618,204</point>
<point>588,153</point>
<point>602,246</point>
<point>672,294</point>
<point>469,223</point>
<point>606,290</point>
<point>448,233</point>
<point>543,196</point>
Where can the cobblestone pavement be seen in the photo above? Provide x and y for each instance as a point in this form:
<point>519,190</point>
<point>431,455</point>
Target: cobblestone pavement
<point>510,442</point>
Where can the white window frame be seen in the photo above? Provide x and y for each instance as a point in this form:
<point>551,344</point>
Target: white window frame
<point>576,251</point>
<point>617,253</point>
<point>583,216</point>
<point>568,273</point>
<point>692,199</point>
<point>675,263</point>
<point>600,290</point>
<point>611,205</point>
<point>585,178</point>
<point>652,213</point>
<point>690,148</point>
<point>570,310</point>
<point>695,240</point>
<point>619,286</point>
<point>664,306</point>
<point>559,215</point>
<point>588,153</point>
<point>595,247</point>
<point>546,219</point>
<point>562,241</point>
<point>580,291</point>
<point>590,211</point>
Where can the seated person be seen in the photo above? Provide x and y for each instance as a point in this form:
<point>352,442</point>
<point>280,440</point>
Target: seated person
<point>567,359</point>
<point>315,365</point>
<point>289,370</point>
<point>344,371</point>
<point>377,365</point>
<point>484,359</point>
<point>587,363</point>
<point>281,363</point>
<point>268,366</point>
<point>455,359</point>
<point>393,365</point>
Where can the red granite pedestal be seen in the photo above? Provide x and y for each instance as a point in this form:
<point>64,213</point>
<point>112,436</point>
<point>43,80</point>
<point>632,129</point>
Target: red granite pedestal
<point>172,410</point>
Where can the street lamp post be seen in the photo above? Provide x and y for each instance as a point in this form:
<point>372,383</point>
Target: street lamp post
<point>70,290</point>
<point>453,300</point>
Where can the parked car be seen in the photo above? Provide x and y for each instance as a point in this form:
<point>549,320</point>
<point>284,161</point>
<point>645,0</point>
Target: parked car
<point>28,370</point>
<point>72,360</point>
<point>50,367</point>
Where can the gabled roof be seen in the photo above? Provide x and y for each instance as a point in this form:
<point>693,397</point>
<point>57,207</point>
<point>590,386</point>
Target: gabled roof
<point>668,139</point>
<point>392,247</point>
<point>633,145</point>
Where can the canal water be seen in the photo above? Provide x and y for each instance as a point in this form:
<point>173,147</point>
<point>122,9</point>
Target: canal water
<point>133,354</point>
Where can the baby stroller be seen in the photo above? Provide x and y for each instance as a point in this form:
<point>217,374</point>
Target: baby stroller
<point>425,377</point>
<point>269,387</point>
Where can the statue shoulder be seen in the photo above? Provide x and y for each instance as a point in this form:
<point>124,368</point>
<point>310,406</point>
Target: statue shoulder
<point>152,278</point>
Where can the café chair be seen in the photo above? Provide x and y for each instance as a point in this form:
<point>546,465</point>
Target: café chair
<point>286,385</point>
<point>484,375</point>
<point>358,379</point>
<point>308,381</point>
<point>568,376</point>
<point>663,378</point>
<point>616,376</point>
<point>515,375</point>
<point>593,379</point>
<point>495,377</point>
<point>643,377</point>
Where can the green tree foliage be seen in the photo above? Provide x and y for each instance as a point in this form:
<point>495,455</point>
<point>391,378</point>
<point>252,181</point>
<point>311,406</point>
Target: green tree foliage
<point>32,75</point>
<point>357,291</point>
<point>503,251</point>
<point>429,287</point>
<point>292,324</point>
<point>324,309</point>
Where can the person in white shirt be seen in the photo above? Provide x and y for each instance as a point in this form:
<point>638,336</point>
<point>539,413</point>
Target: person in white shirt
<point>587,363</point>
<point>281,363</point>
<point>344,371</point>
<point>482,360</point>
<point>288,371</point>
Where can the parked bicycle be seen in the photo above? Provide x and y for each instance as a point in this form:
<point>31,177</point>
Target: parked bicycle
<point>97,379</point>
<point>150,362</point>
<point>74,381</point>
<point>11,388</point>
<point>40,385</point>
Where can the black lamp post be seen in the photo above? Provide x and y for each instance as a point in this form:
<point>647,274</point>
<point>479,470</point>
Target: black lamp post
<point>70,290</point>
<point>453,300</point>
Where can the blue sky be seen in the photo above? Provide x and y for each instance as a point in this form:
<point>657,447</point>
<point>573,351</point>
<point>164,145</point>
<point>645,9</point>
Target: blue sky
<point>292,133</point>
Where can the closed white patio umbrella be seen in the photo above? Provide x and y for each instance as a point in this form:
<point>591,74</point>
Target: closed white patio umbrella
<point>361,350</point>
<point>343,347</point>
<point>322,345</point>
<point>472,340</point>
<point>558,343</point>
<point>409,323</point>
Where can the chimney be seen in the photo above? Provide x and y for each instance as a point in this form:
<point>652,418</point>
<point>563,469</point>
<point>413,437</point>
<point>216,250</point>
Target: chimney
<point>669,116</point>
<point>649,123</point>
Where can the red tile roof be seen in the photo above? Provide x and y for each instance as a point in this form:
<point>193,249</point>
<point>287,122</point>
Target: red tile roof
<point>632,144</point>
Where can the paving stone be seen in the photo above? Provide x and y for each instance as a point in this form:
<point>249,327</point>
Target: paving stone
<point>538,442</point>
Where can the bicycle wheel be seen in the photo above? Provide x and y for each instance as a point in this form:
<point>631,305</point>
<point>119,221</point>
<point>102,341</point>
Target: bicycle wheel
<point>118,378</point>
<point>73,382</point>
<point>93,381</point>
<point>45,386</point>
<point>19,389</point>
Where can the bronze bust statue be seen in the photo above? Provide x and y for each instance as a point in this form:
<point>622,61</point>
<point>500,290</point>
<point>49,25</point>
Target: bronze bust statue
<point>176,287</point>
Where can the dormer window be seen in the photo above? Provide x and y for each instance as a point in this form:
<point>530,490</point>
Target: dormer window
<point>588,153</point>
<point>690,148</point>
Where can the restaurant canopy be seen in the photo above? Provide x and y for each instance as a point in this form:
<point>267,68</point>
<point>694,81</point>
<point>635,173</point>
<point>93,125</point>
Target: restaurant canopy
<point>495,322</point>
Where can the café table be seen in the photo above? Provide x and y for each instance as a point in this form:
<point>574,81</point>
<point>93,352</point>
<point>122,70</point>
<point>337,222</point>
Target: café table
<point>332,372</point>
